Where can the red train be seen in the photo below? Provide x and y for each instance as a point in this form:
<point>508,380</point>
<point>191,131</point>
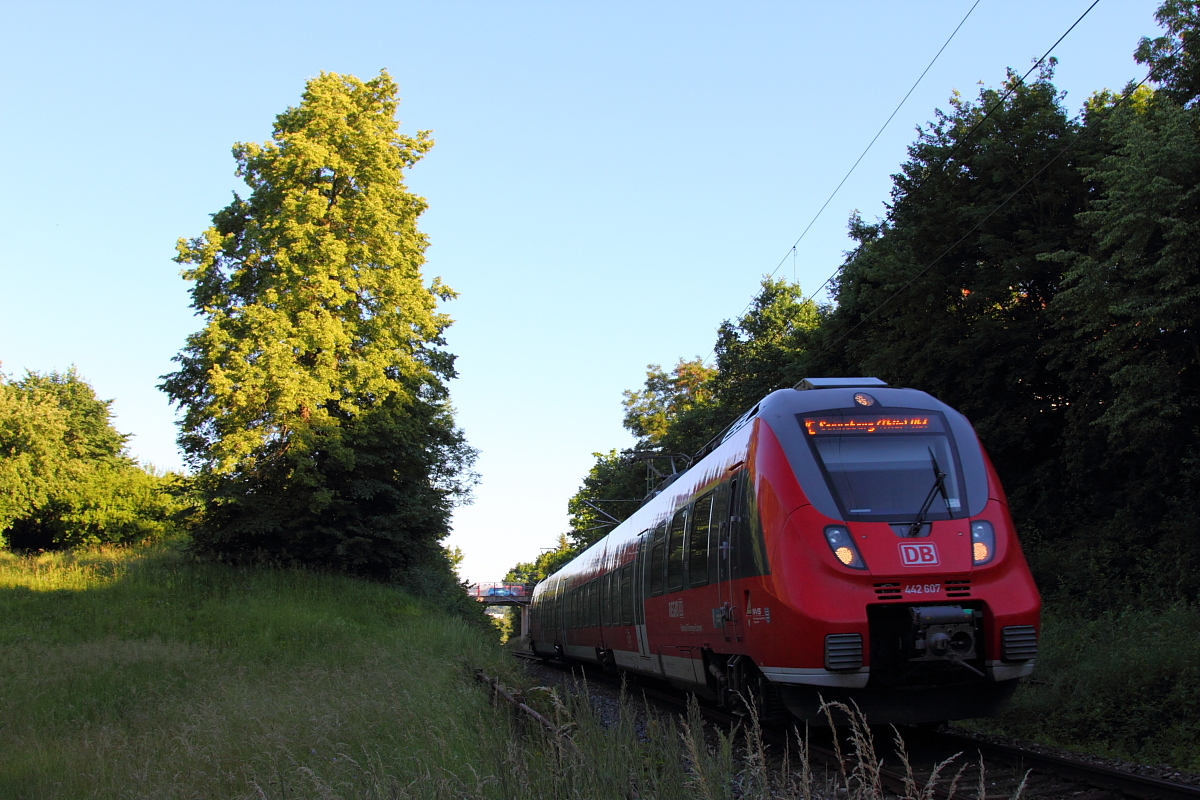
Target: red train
<point>844,541</point>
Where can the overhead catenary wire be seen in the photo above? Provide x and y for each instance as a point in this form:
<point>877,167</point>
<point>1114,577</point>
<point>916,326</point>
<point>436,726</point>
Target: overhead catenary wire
<point>1085,132</point>
<point>792,250</point>
<point>961,142</point>
<point>875,138</point>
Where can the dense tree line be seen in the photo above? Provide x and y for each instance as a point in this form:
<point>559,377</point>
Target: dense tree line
<point>1036,270</point>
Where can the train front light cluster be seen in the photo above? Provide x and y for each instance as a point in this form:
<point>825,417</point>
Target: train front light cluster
<point>983,542</point>
<point>838,538</point>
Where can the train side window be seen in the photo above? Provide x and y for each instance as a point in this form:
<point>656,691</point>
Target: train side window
<point>614,597</point>
<point>593,602</point>
<point>602,596</point>
<point>658,560</point>
<point>749,554</point>
<point>675,551</point>
<point>581,607</point>
<point>718,533</point>
<point>698,542</point>
<point>606,603</point>
<point>641,587</point>
<point>627,594</point>
<point>737,522</point>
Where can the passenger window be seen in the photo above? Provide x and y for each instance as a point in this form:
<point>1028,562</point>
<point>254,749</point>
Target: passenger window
<point>737,502</point>
<point>627,594</point>
<point>614,597</point>
<point>675,552</point>
<point>698,542</point>
<point>606,601</point>
<point>657,552</point>
<point>593,604</point>
<point>602,592</point>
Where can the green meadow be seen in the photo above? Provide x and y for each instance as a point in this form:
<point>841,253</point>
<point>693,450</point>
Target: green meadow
<point>143,673</point>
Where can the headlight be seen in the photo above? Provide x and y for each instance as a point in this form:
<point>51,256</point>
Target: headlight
<point>983,542</point>
<point>843,547</point>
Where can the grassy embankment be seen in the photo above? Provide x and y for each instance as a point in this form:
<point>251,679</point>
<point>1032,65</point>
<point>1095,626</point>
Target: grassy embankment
<point>1125,684</point>
<point>141,673</point>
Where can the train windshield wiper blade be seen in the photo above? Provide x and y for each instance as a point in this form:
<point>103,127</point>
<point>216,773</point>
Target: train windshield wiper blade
<point>939,486</point>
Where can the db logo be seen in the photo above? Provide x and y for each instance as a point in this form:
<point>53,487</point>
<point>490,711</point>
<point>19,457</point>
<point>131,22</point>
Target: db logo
<point>919,555</point>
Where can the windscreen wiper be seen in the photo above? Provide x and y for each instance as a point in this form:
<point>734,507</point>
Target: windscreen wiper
<point>939,486</point>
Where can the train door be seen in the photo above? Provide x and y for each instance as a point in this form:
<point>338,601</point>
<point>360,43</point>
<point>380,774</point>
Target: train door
<point>650,582</point>
<point>560,623</point>
<point>728,513</point>
<point>640,594</point>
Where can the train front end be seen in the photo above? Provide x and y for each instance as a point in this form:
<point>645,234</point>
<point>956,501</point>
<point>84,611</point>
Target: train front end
<point>893,556</point>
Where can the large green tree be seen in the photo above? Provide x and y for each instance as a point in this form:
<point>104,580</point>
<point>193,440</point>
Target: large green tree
<point>315,411</point>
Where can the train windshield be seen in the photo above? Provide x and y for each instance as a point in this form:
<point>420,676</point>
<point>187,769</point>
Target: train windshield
<point>882,466</point>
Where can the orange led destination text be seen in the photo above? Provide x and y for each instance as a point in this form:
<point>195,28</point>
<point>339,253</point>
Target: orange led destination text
<point>822,425</point>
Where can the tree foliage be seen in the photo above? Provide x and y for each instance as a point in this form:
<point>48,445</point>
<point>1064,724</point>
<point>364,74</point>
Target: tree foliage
<point>315,411</point>
<point>649,413</point>
<point>1175,58</point>
<point>611,491</point>
<point>545,565</point>
<point>64,476</point>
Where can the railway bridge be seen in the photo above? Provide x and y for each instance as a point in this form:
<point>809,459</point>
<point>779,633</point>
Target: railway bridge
<point>505,594</point>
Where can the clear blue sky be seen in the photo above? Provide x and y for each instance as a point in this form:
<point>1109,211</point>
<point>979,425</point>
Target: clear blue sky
<point>610,182</point>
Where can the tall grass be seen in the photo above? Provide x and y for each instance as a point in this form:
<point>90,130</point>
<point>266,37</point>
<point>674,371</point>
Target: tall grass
<point>138,673</point>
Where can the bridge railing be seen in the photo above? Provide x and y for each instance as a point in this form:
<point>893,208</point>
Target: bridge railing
<point>500,591</point>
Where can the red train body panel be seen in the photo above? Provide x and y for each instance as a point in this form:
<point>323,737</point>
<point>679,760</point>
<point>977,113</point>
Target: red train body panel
<point>847,543</point>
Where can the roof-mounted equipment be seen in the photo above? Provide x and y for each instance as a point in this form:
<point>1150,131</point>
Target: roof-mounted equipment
<point>840,383</point>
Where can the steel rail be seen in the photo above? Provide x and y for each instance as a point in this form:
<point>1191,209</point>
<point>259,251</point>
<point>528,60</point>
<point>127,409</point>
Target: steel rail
<point>1117,781</point>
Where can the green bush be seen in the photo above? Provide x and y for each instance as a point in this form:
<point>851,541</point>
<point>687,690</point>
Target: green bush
<point>65,479</point>
<point>1125,683</point>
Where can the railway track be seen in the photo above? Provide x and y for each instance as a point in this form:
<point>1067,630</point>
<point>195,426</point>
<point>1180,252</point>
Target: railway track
<point>1041,776</point>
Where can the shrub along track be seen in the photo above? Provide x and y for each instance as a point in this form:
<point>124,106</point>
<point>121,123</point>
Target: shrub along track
<point>1006,768</point>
